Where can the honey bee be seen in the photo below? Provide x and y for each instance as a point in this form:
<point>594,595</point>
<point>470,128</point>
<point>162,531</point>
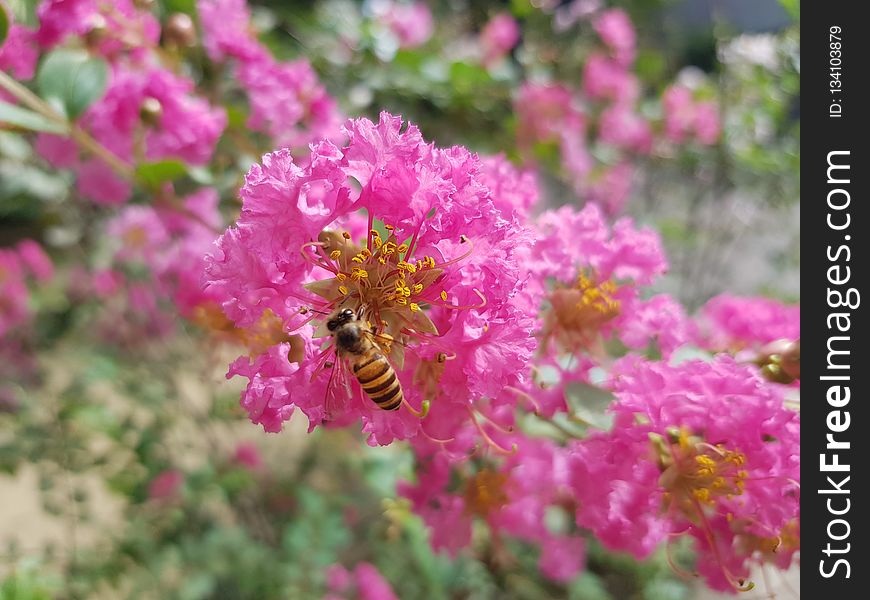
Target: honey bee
<point>354,342</point>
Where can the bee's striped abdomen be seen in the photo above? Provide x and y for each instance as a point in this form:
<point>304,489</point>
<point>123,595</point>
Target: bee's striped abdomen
<point>378,380</point>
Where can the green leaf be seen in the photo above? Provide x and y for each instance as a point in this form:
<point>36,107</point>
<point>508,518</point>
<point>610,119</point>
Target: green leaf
<point>4,24</point>
<point>72,80</point>
<point>152,174</point>
<point>27,119</point>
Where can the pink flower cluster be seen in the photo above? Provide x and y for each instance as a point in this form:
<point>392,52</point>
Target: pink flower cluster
<point>156,272</point>
<point>498,37</point>
<point>26,261</point>
<point>287,100</point>
<point>687,119</point>
<point>410,22</point>
<point>18,52</point>
<point>365,582</point>
<point>443,294</point>
<point>552,113</point>
<point>704,449</point>
<point>147,114</point>
<point>733,322</point>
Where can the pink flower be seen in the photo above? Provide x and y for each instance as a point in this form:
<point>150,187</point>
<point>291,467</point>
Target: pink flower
<point>545,111</point>
<point>286,256</point>
<point>60,152</point>
<point>562,558</point>
<point>701,448</point>
<point>248,456</point>
<point>624,128</point>
<point>227,30</point>
<point>513,189</point>
<point>110,28</point>
<point>605,78</point>
<point>735,322</point>
<point>18,53</point>
<point>661,319</point>
<point>14,296</point>
<point>612,188</point>
<point>36,260</point>
<point>371,585</point>
<point>152,103</point>
<point>685,118</point>
<point>498,37</point>
<point>288,102</point>
<point>166,485</point>
<point>101,184</point>
<point>615,29</point>
<point>411,23</point>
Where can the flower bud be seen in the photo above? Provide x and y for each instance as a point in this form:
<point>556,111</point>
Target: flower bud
<point>179,31</point>
<point>151,111</point>
<point>97,30</point>
<point>790,359</point>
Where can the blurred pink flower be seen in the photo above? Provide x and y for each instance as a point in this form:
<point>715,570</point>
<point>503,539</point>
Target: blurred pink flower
<point>605,78</point>
<point>731,322</point>
<point>227,30</point>
<point>685,118</point>
<point>166,485</point>
<point>410,22</point>
<point>498,37</point>
<point>616,30</point>
<point>36,260</point>
<point>247,455</point>
<point>18,52</point>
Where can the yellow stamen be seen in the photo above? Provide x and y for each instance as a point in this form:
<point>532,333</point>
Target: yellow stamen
<point>345,235</point>
<point>414,307</point>
<point>342,290</point>
<point>335,254</point>
<point>444,295</point>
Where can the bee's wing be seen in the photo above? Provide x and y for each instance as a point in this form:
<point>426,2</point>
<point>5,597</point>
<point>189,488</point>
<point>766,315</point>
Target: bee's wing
<point>338,389</point>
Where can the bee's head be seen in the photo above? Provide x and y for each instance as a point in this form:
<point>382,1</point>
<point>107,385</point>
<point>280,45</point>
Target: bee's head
<point>343,316</point>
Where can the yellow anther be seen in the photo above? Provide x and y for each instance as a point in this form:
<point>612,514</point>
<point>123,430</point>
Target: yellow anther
<point>366,252</point>
<point>378,242</point>
<point>418,287</point>
<point>375,233</point>
<point>444,295</point>
<point>403,248</point>
<point>357,259</point>
<point>414,307</point>
<point>342,290</point>
<point>389,227</point>
<point>335,254</point>
<point>401,300</point>
<point>341,276</point>
<point>382,260</point>
<point>345,235</point>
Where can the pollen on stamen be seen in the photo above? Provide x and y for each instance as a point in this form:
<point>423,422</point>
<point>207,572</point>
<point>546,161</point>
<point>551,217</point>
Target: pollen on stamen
<point>335,254</point>
<point>343,290</point>
<point>444,295</point>
<point>345,235</point>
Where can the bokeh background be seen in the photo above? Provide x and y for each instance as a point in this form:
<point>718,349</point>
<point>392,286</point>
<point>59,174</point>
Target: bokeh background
<point>127,468</point>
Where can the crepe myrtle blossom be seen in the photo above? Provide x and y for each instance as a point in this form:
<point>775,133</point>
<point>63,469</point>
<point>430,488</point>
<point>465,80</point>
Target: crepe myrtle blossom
<point>731,322</point>
<point>108,28</point>
<point>288,101</point>
<point>147,113</point>
<point>19,266</point>
<point>615,29</point>
<point>433,273</point>
<point>703,449</point>
<point>410,22</point>
<point>18,52</point>
<point>498,37</point>
<point>596,272</point>
<point>512,495</point>
<point>687,119</point>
